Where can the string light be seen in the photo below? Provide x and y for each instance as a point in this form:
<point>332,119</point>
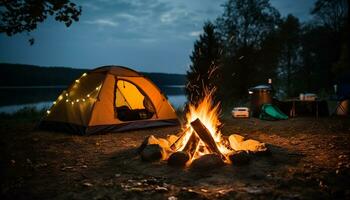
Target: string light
<point>64,93</point>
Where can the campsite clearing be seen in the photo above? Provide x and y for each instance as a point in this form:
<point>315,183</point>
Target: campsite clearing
<point>310,159</point>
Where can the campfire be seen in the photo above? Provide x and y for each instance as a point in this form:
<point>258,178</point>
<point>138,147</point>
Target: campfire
<point>201,138</point>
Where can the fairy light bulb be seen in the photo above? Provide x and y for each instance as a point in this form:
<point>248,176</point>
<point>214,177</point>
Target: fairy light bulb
<point>77,100</point>
<point>83,100</point>
<point>67,100</point>
<point>54,102</point>
<point>84,74</point>
<point>72,102</point>
<point>88,95</point>
<point>48,111</point>
<point>77,81</point>
<point>66,94</point>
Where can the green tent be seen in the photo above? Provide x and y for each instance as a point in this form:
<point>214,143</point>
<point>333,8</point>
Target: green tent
<point>271,112</point>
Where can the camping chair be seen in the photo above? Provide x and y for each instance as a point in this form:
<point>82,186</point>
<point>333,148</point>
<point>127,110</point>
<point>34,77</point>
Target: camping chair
<point>341,95</point>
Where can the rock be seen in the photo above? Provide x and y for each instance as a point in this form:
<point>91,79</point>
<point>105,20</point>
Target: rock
<point>87,184</point>
<point>171,139</point>
<point>239,158</point>
<point>152,152</point>
<point>253,145</point>
<point>149,140</point>
<point>178,159</point>
<point>161,189</point>
<point>235,141</point>
<point>172,198</point>
<point>207,162</point>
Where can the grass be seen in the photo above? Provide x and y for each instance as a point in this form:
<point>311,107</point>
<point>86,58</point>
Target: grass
<point>26,114</point>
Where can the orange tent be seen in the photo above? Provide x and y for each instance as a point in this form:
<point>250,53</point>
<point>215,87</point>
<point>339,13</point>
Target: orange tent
<point>109,99</point>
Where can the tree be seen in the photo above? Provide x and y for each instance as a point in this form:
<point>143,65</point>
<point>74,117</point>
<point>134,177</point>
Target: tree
<point>289,36</point>
<point>246,27</point>
<point>325,44</point>
<point>203,72</point>
<point>19,16</point>
<point>331,13</point>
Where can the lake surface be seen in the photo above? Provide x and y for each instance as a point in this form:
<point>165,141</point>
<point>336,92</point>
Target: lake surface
<point>13,99</point>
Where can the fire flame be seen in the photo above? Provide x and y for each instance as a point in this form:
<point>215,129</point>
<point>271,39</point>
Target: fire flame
<point>208,114</point>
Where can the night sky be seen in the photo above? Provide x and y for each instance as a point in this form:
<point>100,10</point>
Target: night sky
<point>147,35</point>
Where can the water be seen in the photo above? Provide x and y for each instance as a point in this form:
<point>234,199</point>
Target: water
<point>13,99</point>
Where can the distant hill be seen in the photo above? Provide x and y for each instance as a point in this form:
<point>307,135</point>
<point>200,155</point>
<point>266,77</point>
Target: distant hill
<point>31,75</point>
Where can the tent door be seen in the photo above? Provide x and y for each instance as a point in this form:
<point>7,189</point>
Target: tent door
<point>131,103</point>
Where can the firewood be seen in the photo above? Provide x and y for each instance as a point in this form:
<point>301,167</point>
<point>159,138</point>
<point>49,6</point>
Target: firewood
<point>205,136</point>
<point>176,144</point>
<point>191,144</point>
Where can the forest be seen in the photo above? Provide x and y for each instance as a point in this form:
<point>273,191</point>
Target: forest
<point>250,42</point>
<point>29,75</point>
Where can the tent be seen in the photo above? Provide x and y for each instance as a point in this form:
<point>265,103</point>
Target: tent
<point>109,99</point>
<point>271,112</point>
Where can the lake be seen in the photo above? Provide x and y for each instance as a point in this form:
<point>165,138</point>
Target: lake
<point>13,99</point>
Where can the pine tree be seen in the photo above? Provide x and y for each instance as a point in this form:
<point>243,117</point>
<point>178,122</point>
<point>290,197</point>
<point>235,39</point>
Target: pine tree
<point>204,69</point>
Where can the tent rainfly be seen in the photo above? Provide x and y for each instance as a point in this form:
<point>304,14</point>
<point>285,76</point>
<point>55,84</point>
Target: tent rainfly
<point>109,99</point>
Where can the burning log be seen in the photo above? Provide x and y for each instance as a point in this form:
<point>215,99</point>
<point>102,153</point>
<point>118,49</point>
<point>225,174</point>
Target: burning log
<point>177,143</point>
<point>205,136</point>
<point>192,144</point>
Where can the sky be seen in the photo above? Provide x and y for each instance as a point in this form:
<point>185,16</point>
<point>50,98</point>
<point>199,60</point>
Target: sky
<point>146,35</point>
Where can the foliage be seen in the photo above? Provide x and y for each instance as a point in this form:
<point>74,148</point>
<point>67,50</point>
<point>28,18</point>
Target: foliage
<point>300,57</point>
<point>248,29</point>
<point>290,61</point>
<point>19,16</point>
<point>203,72</point>
<point>331,13</point>
<point>31,75</point>
<point>26,113</point>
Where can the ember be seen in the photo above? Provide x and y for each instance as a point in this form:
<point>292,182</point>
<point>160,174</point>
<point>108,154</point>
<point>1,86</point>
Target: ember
<point>201,136</point>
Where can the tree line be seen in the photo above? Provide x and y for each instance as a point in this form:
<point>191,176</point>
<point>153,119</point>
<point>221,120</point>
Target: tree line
<point>250,42</point>
<point>20,75</point>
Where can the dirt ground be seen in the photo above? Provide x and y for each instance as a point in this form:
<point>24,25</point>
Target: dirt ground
<point>309,159</point>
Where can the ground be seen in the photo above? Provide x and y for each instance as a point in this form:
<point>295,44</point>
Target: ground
<point>309,159</point>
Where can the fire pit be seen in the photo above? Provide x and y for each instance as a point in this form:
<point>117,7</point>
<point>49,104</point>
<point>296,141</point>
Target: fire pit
<point>200,143</point>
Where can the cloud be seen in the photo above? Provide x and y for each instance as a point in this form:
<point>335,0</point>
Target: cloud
<point>195,33</point>
<point>102,22</point>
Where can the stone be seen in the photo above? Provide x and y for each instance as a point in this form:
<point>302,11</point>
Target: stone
<point>152,152</point>
<point>235,141</point>
<point>239,158</point>
<point>149,140</point>
<point>207,162</point>
<point>178,159</point>
<point>253,145</point>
